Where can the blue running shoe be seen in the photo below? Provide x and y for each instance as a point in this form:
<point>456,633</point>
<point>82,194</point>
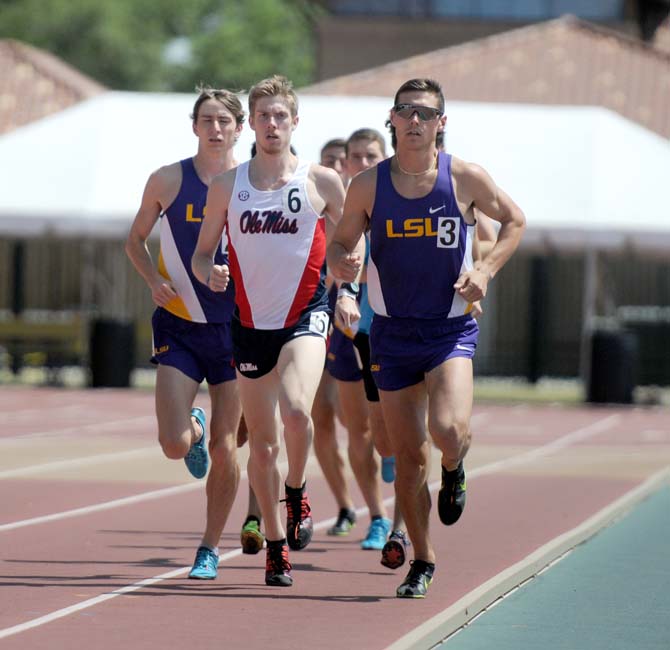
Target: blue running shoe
<point>388,469</point>
<point>205,565</point>
<point>197,459</point>
<point>377,534</point>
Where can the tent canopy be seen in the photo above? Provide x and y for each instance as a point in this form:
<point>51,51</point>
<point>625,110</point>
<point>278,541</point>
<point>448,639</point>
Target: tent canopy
<point>584,176</point>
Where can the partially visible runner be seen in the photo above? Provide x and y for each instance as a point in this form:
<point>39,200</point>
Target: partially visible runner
<point>422,281</point>
<point>333,155</point>
<point>278,213</point>
<point>191,324</point>
<point>252,539</point>
<point>326,406</point>
<point>365,149</point>
<point>348,362</point>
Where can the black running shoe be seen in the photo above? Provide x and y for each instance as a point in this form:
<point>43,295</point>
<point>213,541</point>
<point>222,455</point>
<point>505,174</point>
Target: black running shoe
<point>277,566</point>
<point>416,583</point>
<point>451,499</point>
<point>393,553</point>
<point>299,526</point>
<point>346,520</point>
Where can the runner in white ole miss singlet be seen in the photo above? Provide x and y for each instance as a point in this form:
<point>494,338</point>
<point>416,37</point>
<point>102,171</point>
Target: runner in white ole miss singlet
<point>278,212</point>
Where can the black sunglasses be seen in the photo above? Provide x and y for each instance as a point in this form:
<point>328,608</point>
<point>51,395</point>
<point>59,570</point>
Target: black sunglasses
<point>425,113</point>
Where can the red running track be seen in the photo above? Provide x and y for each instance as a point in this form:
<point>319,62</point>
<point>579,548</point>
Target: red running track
<point>98,530</point>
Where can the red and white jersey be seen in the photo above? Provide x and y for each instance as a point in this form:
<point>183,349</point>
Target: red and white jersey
<point>277,251</point>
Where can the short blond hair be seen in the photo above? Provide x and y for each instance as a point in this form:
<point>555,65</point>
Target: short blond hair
<point>275,86</point>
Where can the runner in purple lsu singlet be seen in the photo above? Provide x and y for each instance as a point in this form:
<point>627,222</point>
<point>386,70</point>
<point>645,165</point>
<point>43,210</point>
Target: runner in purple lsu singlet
<point>419,247</point>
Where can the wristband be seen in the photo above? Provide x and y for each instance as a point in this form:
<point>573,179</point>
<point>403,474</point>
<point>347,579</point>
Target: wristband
<point>348,289</point>
<point>343,292</point>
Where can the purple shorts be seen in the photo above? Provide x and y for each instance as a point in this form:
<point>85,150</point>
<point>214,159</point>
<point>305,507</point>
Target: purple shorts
<point>342,359</point>
<point>403,350</point>
<point>199,350</point>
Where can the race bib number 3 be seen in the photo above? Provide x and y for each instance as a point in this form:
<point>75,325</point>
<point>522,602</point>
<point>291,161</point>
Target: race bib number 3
<point>318,323</point>
<point>448,231</point>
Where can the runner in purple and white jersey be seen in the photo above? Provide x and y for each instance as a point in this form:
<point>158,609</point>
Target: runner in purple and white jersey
<point>419,208</point>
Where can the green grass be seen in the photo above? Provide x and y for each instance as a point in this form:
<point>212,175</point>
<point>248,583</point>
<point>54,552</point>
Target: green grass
<point>514,389</point>
<point>487,389</point>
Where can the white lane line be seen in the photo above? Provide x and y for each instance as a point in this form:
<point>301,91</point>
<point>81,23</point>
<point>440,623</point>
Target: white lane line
<point>590,430</point>
<point>96,600</point>
<point>528,456</point>
<point>85,604</point>
<point>118,503</point>
<point>564,441</point>
<point>94,427</point>
<point>92,460</point>
<point>99,507</point>
<point>559,443</point>
<point>26,414</point>
<point>84,461</point>
<point>114,425</point>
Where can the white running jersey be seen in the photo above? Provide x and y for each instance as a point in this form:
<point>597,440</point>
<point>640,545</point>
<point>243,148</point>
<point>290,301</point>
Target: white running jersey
<point>277,251</point>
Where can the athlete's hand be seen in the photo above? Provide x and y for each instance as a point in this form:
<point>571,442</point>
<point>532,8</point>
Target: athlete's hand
<point>471,285</point>
<point>477,309</point>
<point>162,292</point>
<point>347,267</point>
<point>346,312</point>
<point>219,277</point>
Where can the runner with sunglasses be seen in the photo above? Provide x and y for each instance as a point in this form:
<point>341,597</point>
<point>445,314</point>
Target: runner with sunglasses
<point>422,280</point>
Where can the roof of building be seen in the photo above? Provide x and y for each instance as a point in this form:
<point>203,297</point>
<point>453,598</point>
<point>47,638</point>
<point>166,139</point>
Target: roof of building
<point>566,61</point>
<point>579,196</point>
<point>35,84</point>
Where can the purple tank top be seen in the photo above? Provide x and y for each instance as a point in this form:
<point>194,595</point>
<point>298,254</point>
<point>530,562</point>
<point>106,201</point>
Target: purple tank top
<point>184,218</point>
<point>418,248</point>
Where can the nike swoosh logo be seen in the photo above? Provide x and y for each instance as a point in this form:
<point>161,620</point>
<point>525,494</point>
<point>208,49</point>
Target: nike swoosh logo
<point>463,347</point>
<point>434,210</point>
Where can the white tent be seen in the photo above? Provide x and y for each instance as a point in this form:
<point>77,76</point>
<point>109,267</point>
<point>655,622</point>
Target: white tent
<point>583,175</point>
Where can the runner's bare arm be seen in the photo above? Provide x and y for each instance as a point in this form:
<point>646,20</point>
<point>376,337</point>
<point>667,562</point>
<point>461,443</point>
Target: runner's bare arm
<point>485,195</point>
<point>486,233</point>
<point>343,256</point>
<point>215,276</point>
<point>485,238</point>
<point>159,192</point>
<point>330,192</point>
<point>476,188</point>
